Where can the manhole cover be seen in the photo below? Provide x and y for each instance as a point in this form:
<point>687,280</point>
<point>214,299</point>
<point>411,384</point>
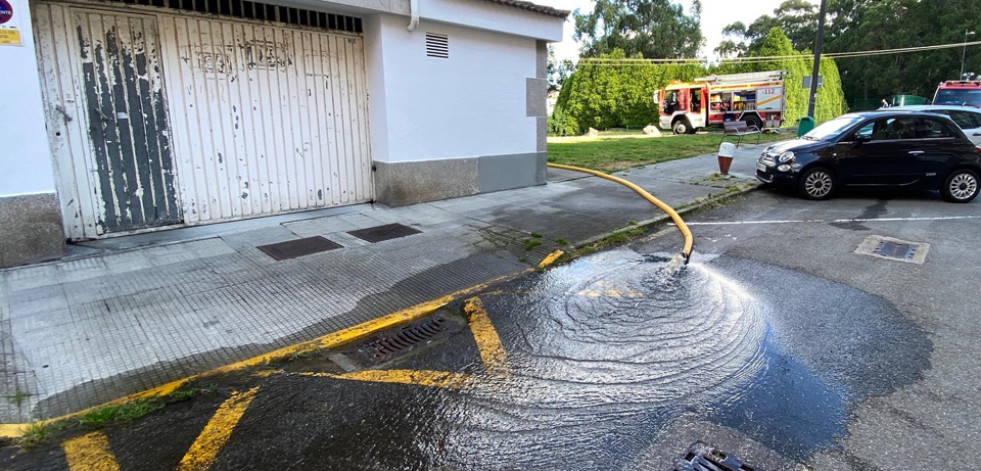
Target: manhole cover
<point>701,457</point>
<point>386,232</point>
<point>298,247</point>
<point>894,249</point>
<point>388,345</point>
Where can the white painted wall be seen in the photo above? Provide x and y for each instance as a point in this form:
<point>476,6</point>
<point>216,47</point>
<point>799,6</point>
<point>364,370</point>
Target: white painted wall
<point>25,157</point>
<point>472,104</point>
<point>494,17</point>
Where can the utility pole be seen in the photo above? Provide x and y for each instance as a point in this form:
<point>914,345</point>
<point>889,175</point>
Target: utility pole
<point>967,33</point>
<point>812,98</point>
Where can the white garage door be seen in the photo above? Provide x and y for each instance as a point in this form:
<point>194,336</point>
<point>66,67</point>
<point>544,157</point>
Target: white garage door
<point>184,118</point>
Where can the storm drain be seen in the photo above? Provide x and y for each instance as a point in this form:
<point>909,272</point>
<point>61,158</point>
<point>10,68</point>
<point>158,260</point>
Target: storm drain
<point>701,457</point>
<point>382,233</point>
<point>388,345</point>
<point>298,248</point>
<point>894,249</point>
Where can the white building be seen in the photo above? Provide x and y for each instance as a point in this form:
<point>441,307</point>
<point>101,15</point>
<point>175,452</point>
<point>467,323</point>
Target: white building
<point>127,116</point>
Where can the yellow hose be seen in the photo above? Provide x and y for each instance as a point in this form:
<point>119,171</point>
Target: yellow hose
<point>689,240</point>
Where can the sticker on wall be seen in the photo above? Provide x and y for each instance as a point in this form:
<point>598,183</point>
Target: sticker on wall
<point>10,23</point>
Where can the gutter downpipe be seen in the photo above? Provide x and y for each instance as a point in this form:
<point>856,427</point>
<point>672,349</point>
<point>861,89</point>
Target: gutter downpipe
<point>413,15</point>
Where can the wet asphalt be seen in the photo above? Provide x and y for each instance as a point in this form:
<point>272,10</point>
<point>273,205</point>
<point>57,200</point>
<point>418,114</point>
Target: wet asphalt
<point>777,343</point>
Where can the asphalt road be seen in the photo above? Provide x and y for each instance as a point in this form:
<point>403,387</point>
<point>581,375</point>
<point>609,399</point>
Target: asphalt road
<point>778,343</point>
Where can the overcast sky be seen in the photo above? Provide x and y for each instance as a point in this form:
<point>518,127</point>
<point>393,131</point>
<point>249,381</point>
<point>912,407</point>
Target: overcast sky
<point>716,14</point>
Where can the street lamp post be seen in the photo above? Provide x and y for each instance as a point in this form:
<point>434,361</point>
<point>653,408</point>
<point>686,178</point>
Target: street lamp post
<point>815,72</point>
<point>967,33</point>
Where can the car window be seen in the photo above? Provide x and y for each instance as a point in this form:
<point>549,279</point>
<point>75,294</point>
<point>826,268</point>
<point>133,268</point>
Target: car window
<point>866,131</point>
<point>890,129</point>
<point>963,119</point>
<point>975,120</point>
<point>932,129</point>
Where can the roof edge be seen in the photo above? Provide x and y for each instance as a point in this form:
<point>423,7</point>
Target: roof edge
<point>532,7</point>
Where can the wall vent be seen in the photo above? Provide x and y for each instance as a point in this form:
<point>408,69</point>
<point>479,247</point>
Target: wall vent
<point>259,11</point>
<point>437,45</point>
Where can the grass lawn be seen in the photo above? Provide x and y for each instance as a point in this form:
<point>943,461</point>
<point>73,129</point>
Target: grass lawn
<point>622,152</point>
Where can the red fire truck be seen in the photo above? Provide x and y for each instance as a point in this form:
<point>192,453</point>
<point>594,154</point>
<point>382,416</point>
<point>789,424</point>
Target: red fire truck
<point>756,98</point>
<point>959,92</point>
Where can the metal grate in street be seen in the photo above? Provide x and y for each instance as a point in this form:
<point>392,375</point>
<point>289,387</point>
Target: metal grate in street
<point>298,248</point>
<point>896,250</point>
<point>701,457</point>
<point>383,233</point>
<point>889,248</point>
<point>388,345</point>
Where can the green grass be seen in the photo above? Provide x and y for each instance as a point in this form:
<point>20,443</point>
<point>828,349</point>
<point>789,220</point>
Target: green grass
<point>610,155</point>
<point>537,235</point>
<point>530,244</point>
<point>121,412</point>
<point>36,433</point>
<point>561,241</point>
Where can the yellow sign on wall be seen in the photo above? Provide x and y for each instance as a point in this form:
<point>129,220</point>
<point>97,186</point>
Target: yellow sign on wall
<point>10,37</point>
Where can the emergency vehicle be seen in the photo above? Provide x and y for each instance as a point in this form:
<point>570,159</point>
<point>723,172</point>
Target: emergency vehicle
<point>756,98</point>
<point>959,92</point>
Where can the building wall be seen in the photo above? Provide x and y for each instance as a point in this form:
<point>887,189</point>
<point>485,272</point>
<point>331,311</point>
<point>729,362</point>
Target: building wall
<point>480,108</point>
<point>30,222</point>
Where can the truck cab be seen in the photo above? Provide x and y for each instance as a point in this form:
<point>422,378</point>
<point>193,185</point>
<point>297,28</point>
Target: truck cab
<point>959,92</point>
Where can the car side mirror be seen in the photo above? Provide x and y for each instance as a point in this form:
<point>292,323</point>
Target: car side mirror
<point>859,140</point>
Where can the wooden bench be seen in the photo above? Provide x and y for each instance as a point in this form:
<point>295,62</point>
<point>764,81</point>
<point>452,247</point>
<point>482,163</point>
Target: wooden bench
<point>740,128</point>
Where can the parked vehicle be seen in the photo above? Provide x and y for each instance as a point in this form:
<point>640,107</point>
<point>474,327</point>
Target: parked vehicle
<point>959,92</point>
<point>877,149</point>
<point>968,118</point>
<point>755,98</point>
<point>906,100</point>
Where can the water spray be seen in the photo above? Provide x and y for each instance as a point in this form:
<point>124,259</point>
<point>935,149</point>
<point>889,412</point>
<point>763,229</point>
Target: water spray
<point>685,254</point>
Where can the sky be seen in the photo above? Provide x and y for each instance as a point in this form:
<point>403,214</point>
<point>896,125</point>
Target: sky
<point>716,14</point>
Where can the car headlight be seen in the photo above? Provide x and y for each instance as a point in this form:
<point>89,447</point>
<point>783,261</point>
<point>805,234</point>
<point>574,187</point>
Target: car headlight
<point>786,157</point>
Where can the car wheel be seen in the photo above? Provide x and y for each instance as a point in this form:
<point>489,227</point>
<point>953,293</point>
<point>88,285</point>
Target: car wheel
<point>961,186</point>
<point>817,183</point>
<point>681,126</point>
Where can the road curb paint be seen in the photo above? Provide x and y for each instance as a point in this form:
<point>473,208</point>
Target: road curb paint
<point>215,434</point>
<point>89,452</point>
<point>429,378</point>
<point>488,342</point>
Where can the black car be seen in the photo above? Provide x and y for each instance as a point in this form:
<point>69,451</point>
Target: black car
<point>877,149</point>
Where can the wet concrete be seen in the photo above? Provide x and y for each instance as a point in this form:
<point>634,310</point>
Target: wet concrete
<point>616,364</point>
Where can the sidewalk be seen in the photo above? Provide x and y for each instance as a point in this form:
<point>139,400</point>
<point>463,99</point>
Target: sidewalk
<point>123,315</point>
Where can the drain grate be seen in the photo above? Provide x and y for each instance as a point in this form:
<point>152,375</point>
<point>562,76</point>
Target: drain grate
<point>894,249</point>
<point>385,346</point>
<point>382,233</point>
<point>298,248</point>
<point>701,457</point>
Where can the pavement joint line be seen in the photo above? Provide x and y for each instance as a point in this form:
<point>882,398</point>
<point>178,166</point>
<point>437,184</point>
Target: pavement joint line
<point>832,221</point>
<point>328,341</point>
<point>89,452</point>
<point>202,453</point>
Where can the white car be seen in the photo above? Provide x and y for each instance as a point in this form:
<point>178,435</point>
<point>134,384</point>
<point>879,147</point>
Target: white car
<point>968,118</point>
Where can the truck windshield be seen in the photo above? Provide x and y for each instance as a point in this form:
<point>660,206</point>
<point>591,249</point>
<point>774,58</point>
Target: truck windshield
<point>832,128</point>
<point>958,97</point>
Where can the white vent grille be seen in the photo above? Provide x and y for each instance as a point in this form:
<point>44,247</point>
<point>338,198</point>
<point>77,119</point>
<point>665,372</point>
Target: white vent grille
<point>437,45</point>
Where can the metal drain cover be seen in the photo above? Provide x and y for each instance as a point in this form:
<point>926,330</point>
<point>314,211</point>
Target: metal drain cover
<point>702,457</point>
<point>894,249</point>
<point>298,248</point>
<point>382,233</point>
<point>388,345</point>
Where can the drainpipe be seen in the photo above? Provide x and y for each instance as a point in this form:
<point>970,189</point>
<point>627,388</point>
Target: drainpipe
<point>414,15</point>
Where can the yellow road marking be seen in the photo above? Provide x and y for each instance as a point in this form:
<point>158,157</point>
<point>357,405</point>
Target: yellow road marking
<point>331,340</point>
<point>89,452</point>
<point>488,343</point>
<point>205,448</point>
<point>435,379</point>
<point>550,258</point>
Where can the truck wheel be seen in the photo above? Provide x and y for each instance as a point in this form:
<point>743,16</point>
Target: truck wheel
<point>682,126</point>
<point>753,120</point>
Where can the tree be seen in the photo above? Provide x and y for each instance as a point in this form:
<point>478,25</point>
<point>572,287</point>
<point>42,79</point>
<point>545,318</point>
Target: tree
<point>796,18</point>
<point>652,28</point>
<point>557,71</point>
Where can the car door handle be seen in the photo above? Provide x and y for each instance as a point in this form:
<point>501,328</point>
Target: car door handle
<point>977,134</point>
<point>916,152</point>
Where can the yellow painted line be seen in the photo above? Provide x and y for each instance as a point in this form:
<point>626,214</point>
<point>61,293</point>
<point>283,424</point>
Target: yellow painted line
<point>550,258</point>
<point>488,343</point>
<point>90,452</point>
<point>331,340</point>
<point>768,100</point>
<point>205,448</point>
<point>435,379</point>
<point>685,232</point>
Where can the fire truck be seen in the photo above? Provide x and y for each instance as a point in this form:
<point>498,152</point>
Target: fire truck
<point>959,92</point>
<point>755,98</point>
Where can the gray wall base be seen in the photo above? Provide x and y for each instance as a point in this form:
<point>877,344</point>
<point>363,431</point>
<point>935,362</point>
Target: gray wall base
<point>402,183</point>
<point>30,229</point>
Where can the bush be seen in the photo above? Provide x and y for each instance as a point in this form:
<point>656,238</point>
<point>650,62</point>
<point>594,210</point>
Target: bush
<point>559,124</point>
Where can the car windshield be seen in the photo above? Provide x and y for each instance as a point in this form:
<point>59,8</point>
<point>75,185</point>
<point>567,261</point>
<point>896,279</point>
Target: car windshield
<point>832,128</point>
<point>958,97</point>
